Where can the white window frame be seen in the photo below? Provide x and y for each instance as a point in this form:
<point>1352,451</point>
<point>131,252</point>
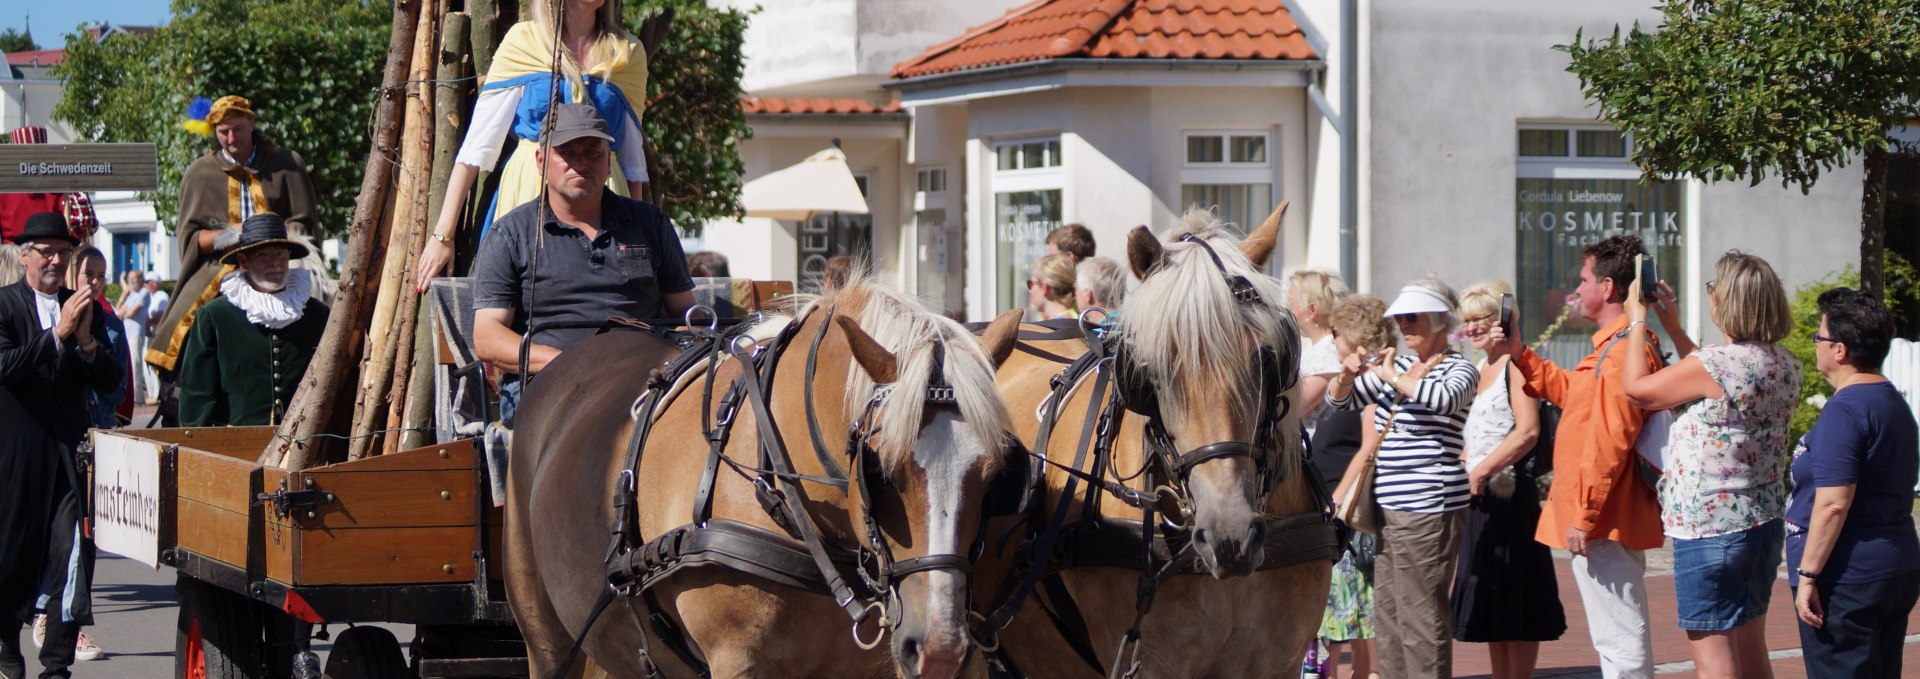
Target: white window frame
<point>934,199</point>
<point>1226,151</point>
<point>1572,165</point>
<point>1002,145</point>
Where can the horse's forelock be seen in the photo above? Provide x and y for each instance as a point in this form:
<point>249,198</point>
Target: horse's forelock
<point>907,327</point>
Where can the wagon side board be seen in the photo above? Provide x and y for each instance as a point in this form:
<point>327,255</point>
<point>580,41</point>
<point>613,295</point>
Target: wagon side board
<point>406,517</point>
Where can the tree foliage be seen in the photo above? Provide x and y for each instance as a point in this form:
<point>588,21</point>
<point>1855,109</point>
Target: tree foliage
<point>1902,297</point>
<point>310,67</point>
<point>1742,88</point>
<point>16,41</point>
<point>693,120</point>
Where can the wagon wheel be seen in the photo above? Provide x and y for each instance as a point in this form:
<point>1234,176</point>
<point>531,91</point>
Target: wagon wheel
<point>217,636</point>
<point>366,653</point>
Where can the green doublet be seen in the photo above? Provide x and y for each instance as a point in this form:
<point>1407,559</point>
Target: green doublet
<point>240,374</point>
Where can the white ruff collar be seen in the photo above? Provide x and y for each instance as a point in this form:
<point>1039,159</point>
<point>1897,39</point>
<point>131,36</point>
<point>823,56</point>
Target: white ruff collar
<point>277,310</point>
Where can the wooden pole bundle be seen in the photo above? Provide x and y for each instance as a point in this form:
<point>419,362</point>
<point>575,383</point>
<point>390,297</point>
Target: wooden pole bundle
<point>390,340</point>
<point>314,405</point>
<point>411,414</point>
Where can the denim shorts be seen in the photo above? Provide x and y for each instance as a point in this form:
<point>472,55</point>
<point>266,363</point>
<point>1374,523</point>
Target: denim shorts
<point>1725,580</point>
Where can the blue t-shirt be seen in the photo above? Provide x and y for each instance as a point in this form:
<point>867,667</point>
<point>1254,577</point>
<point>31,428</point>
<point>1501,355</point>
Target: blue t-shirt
<point>1866,437</point>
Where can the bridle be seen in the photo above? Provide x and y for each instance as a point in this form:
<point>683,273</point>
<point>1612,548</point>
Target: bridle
<point>876,565</point>
<point>803,557</point>
<point>1136,391</point>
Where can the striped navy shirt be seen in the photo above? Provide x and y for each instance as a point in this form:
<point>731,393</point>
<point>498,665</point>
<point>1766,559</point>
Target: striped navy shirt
<point>1419,466</point>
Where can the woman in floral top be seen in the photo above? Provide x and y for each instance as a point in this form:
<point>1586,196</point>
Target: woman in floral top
<point>1724,488</point>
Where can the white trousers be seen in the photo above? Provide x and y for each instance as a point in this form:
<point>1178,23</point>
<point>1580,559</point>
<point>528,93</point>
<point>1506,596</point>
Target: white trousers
<point>137,351</point>
<point>1613,587</point>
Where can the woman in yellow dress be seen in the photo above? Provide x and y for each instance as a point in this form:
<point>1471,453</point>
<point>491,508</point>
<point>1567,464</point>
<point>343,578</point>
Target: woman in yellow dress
<point>601,64</point>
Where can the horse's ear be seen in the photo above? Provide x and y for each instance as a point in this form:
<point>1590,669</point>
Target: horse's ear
<point>1001,335</point>
<point>875,359</point>
<point>1259,244</point>
<point>1144,252</point>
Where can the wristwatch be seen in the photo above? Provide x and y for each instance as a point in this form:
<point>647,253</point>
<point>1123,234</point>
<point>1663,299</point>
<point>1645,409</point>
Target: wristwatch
<point>1807,574</point>
<point>443,238</point>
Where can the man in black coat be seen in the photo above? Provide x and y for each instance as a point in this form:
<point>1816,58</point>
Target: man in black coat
<point>53,348</point>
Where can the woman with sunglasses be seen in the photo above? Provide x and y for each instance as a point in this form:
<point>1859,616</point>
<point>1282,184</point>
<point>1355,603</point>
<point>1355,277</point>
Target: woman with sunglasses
<point>1723,491</point>
<point>1421,398</point>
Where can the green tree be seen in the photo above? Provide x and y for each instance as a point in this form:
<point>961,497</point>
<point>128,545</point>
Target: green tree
<point>693,121</point>
<point>310,67</point>
<point>1730,89</point>
<point>16,41</point>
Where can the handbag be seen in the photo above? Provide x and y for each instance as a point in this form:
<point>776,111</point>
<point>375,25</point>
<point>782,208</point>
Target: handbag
<point>1359,509</point>
<point>1650,449</point>
<point>1363,548</point>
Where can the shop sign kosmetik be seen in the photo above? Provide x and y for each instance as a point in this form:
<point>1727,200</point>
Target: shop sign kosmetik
<point>1579,216</point>
<point>59,168</point>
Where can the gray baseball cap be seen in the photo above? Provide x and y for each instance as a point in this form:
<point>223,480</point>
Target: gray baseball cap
<point>576,121</point>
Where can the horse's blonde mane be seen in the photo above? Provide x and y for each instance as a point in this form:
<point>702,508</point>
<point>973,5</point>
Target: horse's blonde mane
<point>908,328</point>
<point>1184,321</point>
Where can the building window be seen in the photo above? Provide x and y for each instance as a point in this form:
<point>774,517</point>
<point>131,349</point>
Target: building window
<point>1227,148</point>
<point>1574,186</point>
<point>933,259</point>
<point>1027,200</point>
<point>1603,144</point>
<point>1242,205</point>
<point>1025,155</point>
<point>930,180</point>
<point>833,234</point>
<point>1230,173</point>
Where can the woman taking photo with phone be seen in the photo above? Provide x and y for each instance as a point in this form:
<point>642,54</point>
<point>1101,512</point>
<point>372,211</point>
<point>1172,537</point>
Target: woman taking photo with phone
<point>1504,590</point>
<point>1422,398</point>
<point>1723,491</point>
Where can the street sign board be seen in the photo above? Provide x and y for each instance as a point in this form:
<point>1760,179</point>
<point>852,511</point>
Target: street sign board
<point>62,168</point>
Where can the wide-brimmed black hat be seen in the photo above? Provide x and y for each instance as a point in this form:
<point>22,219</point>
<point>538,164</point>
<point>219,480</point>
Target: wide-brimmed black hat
<point>46,225</point>
<point>264,230</point>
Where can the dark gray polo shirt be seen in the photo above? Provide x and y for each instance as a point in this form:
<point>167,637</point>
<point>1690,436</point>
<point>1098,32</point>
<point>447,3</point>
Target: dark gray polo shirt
<point>622,272</point>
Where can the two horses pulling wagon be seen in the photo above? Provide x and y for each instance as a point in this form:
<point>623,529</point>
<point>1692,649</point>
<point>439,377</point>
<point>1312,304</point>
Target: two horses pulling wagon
<point>788,497</point>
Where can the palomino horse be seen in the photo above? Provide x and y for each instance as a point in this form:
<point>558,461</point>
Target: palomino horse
<point>738,548</point>
<point>1241,548</point>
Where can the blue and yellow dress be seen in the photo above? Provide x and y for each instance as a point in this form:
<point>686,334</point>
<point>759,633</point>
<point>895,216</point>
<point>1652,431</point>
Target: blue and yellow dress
<point>514,99</point>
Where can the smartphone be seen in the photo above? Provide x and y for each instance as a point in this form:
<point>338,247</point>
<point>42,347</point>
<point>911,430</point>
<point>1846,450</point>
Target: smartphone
<point>1649,278</point>
<point>1506,313</point>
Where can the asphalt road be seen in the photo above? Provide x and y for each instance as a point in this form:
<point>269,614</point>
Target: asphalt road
<point>135,609</point>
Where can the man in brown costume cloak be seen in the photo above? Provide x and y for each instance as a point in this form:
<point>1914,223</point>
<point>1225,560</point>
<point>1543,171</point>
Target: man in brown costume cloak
<point>242,175</point>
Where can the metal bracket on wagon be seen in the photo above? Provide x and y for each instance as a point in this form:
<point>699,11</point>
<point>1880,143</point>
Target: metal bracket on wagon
<point>286,502</point>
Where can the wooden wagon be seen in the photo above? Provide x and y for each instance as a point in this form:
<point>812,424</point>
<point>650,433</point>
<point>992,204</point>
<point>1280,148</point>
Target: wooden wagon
<point>265,554</point>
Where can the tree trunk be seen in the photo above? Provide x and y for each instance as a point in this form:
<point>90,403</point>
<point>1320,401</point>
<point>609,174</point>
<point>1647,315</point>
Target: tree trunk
<point>453,92</point>
<point>485,33</point>
<point>389,344</point>
<point>314,404</point>
<point>1873,224</point>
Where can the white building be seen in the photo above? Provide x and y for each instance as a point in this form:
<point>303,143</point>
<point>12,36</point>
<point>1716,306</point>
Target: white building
<point>1410,137</point>
<point>130,233</point>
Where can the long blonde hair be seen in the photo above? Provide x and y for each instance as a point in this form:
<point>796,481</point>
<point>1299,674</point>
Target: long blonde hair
<point>607,33</point>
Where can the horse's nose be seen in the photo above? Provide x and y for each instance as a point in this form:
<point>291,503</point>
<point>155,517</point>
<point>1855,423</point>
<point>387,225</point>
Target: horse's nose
<point>1231,557</point>
<point>924,658</point>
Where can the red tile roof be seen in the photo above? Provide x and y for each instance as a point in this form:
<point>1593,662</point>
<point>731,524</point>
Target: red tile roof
<point>1120,29</point>
<point>36,57</point>
<point>813,106</point>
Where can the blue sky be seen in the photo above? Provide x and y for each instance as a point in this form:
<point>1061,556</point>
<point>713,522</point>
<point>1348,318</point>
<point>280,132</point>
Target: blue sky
<point>59,17</point>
